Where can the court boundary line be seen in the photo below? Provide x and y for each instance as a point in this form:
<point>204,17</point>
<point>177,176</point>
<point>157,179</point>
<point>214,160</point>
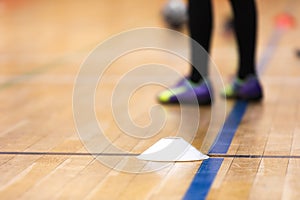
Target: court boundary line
<point>65,153</point>
<point>253,156</point>
<point>32,153</point>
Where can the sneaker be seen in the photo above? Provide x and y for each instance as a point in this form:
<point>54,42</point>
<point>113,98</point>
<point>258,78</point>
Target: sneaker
<point>249,89</point>
<point>185,91</point>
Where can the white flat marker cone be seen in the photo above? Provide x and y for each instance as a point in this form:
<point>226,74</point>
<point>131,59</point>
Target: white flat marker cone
<point>172,149</point>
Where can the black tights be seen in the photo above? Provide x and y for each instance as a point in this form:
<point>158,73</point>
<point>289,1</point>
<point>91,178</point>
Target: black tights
<point>200,26</point>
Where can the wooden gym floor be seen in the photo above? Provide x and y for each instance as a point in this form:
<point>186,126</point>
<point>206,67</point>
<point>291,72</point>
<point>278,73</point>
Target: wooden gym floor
<point>42,46</point>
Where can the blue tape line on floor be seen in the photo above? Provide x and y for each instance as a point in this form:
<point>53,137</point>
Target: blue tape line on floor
<point>203,179</point>
<point>205,176</point>
<point>230,126</point>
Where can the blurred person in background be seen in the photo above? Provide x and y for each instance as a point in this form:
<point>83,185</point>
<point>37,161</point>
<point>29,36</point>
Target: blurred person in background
<point>245,85</point>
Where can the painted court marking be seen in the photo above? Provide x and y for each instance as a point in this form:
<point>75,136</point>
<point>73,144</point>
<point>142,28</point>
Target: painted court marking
<point>64,153</point>
<point>211,155</point>
<point>209,168</point>
<point>21,153</point>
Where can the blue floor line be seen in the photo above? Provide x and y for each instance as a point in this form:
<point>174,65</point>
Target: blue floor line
<point>231,124</point>
<point>203,179</point>
<point>205,176</point>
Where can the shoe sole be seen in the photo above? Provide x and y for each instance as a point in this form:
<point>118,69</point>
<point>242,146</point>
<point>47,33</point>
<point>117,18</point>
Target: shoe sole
<point>203,103</point>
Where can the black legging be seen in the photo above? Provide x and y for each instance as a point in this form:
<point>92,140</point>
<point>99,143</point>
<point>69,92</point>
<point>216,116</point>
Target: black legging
<point>200,25</point>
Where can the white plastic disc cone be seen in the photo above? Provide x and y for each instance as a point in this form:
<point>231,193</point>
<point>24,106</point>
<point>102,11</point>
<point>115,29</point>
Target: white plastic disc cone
<point>172,149</point>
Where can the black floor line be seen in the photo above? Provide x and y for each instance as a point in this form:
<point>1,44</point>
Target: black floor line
<point>251,156</point>
<point>66,154</point>
<point>133,154</point>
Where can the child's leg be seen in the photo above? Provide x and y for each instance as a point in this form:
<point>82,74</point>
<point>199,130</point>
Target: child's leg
<point>245,27</point>
<point>247,85</point>
<point>200,27</point>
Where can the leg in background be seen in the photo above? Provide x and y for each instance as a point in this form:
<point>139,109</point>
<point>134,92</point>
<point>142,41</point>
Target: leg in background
<point>200,27</point>
<point>245,22</point>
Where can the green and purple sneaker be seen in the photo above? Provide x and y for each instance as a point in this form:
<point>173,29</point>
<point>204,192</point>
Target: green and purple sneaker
<point>249,89</point>
<point>187,92</point>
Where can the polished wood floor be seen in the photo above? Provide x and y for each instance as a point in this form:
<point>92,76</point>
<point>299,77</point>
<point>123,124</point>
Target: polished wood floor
<point>43,43</point>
